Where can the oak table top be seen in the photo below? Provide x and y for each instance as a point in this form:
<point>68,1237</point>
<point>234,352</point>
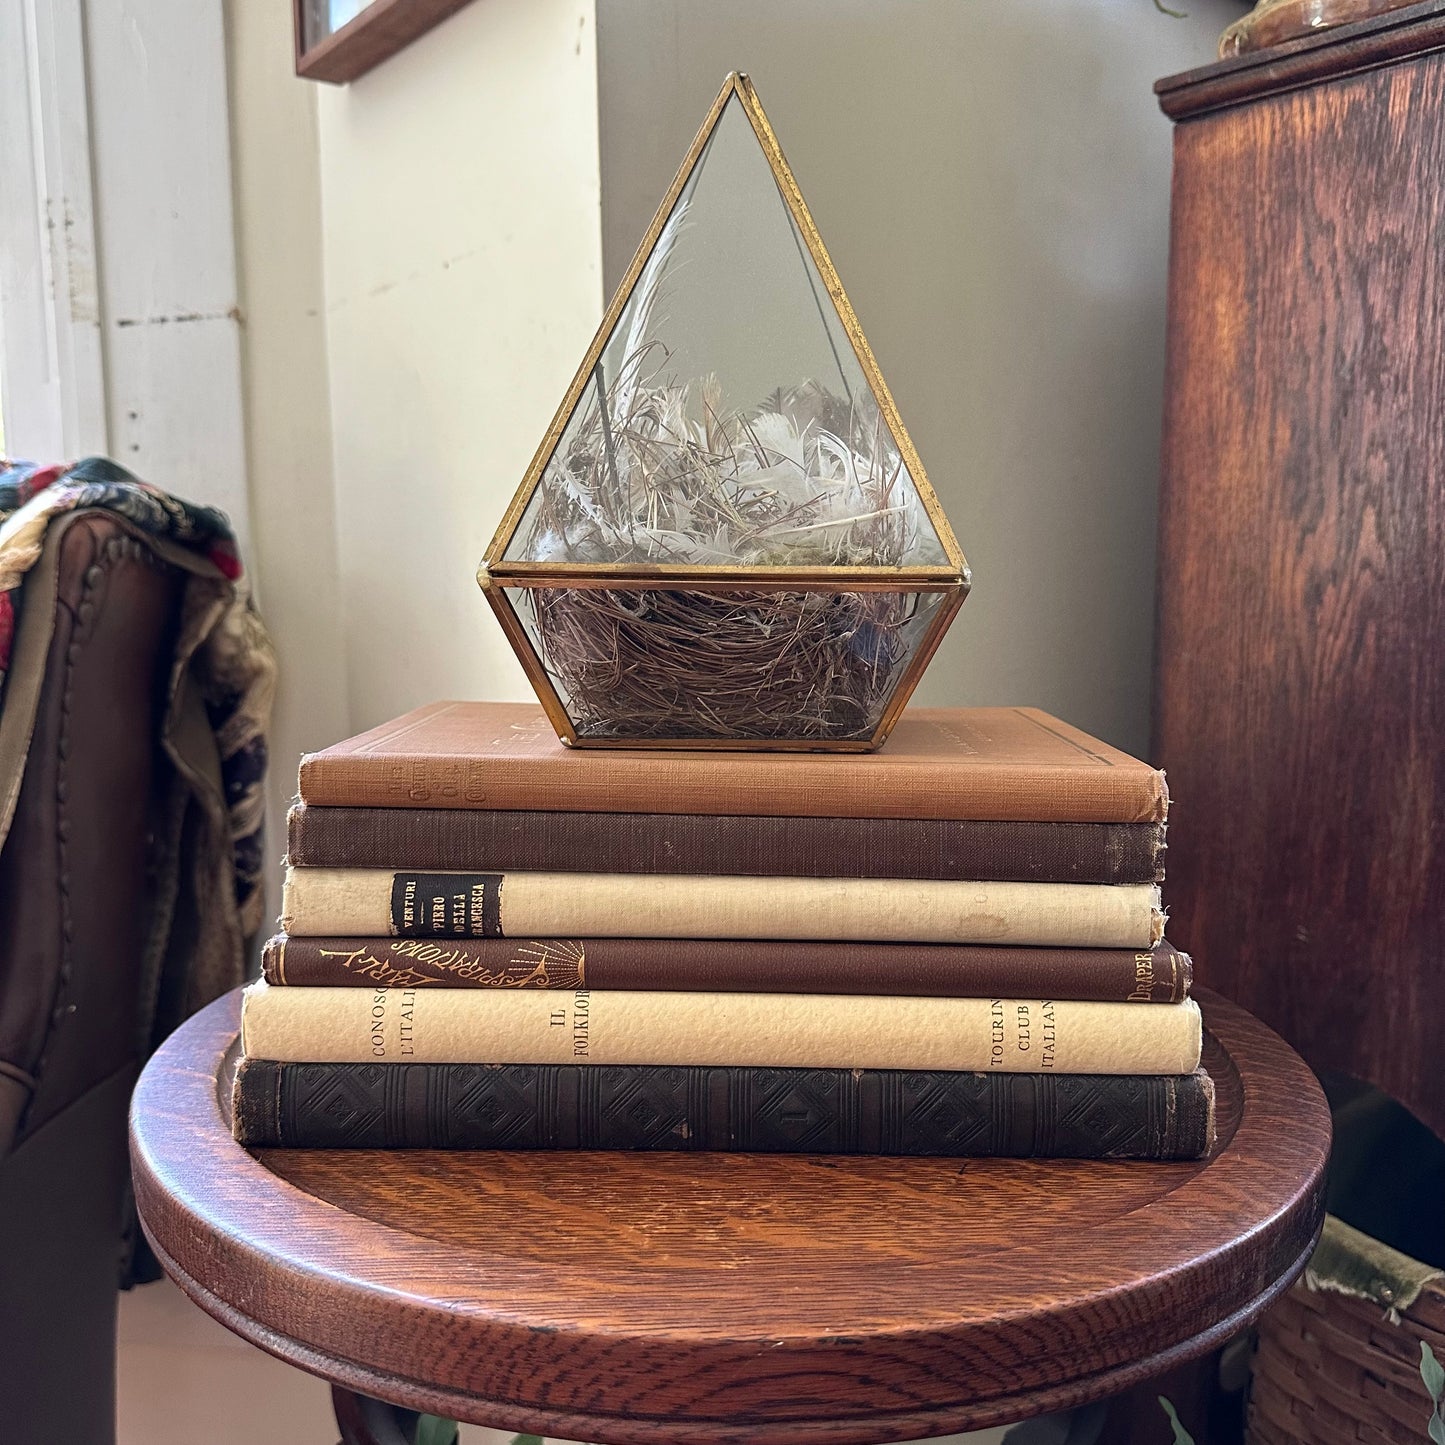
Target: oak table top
<point>636,1299</point>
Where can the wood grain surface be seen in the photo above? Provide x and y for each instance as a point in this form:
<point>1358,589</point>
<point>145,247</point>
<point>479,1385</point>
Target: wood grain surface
<point>725,1298</point>
<point>1300,672</point>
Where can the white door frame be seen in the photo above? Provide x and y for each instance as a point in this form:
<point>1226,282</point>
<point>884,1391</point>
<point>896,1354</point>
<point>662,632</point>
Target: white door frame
<point>52,376</point>
<point>119,324</point>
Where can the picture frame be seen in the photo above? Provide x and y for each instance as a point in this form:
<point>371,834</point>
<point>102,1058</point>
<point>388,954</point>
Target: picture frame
<point>339,40</point>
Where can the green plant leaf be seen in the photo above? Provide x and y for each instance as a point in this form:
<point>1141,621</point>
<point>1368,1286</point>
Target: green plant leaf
<point>1432,1372</point>
<point>1437,1429</point>
<point>1181,1435</point>
<point>526,1440</point>
<point>433,1430</point>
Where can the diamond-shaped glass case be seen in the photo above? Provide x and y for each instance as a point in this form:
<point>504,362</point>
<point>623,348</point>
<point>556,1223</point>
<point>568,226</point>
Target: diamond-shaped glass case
<point>726,538</point>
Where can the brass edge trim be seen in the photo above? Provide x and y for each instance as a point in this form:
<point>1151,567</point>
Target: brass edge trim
<point>582,574</point>
<point>798,208</point>
<point>513,515</point>
<point>726,584</point>
<point>532,664</point>
<point>911,677</point>
<point>729,745</point>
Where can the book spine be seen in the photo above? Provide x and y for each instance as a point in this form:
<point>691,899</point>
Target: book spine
<point>373,902</point>
<point>683,783</point>
<point>485,840</point>
<point>1158,975</point>
<point>788,1111</point>
<point>773,1030</point>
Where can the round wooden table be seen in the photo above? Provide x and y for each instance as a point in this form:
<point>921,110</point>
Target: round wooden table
<point>637,1299</point>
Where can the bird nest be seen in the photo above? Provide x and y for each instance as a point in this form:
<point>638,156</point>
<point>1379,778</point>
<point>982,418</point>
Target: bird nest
<point>669,662</point>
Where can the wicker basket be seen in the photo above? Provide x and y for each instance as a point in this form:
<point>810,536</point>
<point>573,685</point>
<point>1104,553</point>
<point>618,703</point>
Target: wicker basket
<point>1334,1368</point>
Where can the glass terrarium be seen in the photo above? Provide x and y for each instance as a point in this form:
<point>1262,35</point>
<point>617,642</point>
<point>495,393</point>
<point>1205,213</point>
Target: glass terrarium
<point>726,538</point>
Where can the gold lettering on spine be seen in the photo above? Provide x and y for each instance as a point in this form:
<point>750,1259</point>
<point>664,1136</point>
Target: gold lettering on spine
<point>378,1024</point>
<point>408,1021</point>
<point>996,1033</point>
<point>1143,991</point>
<point>1050,1034</point>
<point>581,1023</point>
<point>542,964</point>
<point>379,970</point>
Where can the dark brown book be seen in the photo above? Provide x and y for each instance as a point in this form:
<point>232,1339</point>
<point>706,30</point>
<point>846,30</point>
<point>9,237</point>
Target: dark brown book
<point>987,763</point>
<point>1157,975</point>
<point>788,1111</point>
<point>486,840</point>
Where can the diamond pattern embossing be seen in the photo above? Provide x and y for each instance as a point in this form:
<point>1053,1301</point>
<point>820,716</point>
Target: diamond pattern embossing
<point>644,1109</point>
<point>798,1111</point>
<point>494,1108</point>
<point>763,1110</point>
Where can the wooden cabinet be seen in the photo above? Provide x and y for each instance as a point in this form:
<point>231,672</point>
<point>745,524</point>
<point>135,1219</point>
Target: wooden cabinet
<point>1300,652</point>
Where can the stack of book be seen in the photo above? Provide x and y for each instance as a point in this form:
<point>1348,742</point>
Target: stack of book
<point>951,946</point>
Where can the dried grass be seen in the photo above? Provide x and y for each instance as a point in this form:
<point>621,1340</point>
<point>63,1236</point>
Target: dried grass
<point>673,663</point>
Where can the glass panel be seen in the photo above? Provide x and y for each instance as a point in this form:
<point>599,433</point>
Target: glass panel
<point>728,420</point>
<point>665,663</point>
<point>342,12</point>
<point>320,18</point>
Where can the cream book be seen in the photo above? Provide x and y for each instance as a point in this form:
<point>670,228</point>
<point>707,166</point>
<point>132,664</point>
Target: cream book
<point>377,902</point>
<point>823,1031</point>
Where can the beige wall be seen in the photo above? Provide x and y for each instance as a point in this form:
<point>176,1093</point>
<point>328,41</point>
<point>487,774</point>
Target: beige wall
<point>462,258</point>
<point>420,272</point>
<point>992,180</point>
<point>293,559</point>
<point>419,256</point>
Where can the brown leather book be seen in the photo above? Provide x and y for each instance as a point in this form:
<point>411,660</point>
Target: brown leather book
<point>486,840</point>
<point>1157,975</point>
<point>773,1111</point>
<point>1004,763</point>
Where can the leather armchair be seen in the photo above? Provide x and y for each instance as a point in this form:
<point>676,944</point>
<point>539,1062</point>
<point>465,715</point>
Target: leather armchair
<point>83,985</point>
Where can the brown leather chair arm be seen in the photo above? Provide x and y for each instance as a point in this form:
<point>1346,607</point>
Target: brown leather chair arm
<point>76,903</point>
<point>75,881</point>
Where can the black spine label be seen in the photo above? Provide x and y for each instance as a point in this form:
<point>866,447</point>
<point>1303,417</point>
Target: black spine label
<point>446,905</point>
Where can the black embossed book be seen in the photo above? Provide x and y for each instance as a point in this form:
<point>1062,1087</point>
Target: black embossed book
<point>787,1111</point>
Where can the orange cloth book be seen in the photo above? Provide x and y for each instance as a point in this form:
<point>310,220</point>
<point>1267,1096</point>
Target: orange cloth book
<point>999,763</point>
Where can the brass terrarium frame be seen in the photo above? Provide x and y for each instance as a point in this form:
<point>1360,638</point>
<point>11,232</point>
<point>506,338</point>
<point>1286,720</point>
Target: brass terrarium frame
<point>497,575</point>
